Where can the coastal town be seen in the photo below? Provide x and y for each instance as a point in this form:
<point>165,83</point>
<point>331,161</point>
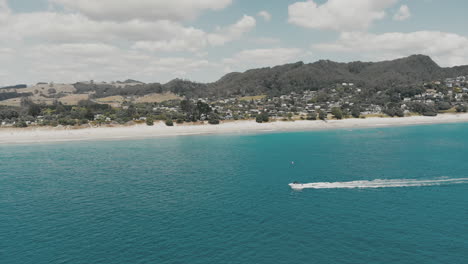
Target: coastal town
<point>342,100</point>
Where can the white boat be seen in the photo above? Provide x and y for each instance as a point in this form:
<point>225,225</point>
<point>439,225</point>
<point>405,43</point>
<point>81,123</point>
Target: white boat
<point>296,186</point>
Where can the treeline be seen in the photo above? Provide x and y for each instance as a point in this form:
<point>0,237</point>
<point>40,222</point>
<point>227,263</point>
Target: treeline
<point>19,86</point>
<point>87,111</point>
<point>10,95</point>
<point>180,87</point>
<point>105,90</point>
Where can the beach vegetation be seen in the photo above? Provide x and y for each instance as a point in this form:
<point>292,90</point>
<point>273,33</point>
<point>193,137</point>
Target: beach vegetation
<point>21,124</point>
<point>337,112</point>
<point>322,115</point>
<point>262,118</point>
<point>213,119</point>
<point>312,116</point>
<point>461,108</point>
<point>356,111</point>
<point>169,122</point>
<point>149,121</point>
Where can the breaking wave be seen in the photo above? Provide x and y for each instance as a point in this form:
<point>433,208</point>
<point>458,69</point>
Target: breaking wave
<point>378,183</point>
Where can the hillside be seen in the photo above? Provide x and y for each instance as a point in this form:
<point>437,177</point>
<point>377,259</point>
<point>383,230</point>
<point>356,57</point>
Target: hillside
<point>406,72</point>
<point>377,76</point>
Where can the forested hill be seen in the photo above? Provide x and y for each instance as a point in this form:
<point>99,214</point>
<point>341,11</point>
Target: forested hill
<point>404,72</point>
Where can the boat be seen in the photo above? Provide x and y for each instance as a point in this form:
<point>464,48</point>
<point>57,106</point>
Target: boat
<point>296,186</point>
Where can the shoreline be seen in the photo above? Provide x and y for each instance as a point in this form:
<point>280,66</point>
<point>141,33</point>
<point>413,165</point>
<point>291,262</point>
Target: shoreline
<point>52,135</point>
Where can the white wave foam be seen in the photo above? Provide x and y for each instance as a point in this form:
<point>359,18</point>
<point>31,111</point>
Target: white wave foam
<point>378,183</point>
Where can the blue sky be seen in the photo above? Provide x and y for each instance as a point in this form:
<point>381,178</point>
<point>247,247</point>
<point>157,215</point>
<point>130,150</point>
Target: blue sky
<point>158,40</point>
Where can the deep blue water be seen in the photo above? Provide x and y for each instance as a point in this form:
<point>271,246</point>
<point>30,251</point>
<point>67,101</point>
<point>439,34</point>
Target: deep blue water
<point>225,199</point>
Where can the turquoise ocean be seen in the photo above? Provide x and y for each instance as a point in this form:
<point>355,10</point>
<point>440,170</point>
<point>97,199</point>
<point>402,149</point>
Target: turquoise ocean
<point>225,199</point>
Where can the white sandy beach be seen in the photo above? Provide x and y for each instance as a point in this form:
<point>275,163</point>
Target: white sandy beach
<point>45,134</point>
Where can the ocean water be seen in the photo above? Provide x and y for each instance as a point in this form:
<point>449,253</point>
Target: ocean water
<point>225,199</point>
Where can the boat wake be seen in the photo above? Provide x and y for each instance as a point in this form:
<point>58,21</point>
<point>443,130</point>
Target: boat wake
<point>378,183</point>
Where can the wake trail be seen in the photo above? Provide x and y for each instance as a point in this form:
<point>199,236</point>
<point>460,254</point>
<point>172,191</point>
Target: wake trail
<point>378,183</point>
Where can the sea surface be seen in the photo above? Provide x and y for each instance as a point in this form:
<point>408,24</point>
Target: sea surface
<point>225,199</point>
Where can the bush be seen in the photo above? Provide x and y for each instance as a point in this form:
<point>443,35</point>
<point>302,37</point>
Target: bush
<point>149,121</point>
<point>262,118</point>
<point>213,119</point>
<point>430,113</point>
<point>67,122</point>
<point>312,116</point>
<point>259,119</point>
<point>460,108</point>
<point>169,122</point>
<point>396,111</point>
<point>21,124</point>
<point>443,106</point>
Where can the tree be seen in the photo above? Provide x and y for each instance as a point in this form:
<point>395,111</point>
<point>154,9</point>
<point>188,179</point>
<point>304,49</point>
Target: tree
<point>322,115</point>
<point>186,106</point>
<point>213,119</point>
<point>337,113</point>
<point>203,109</point>
<point>263,117</point>
<point>356,111</point>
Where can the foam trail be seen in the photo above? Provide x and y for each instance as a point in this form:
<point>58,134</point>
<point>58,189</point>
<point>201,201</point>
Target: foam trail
<point>378,183</point>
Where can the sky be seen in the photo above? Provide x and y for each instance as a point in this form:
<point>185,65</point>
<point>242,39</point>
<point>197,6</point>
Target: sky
<point>66,41</point>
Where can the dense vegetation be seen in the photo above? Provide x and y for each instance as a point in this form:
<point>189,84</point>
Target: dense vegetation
<point>397,76</point>
<point>9,95</point>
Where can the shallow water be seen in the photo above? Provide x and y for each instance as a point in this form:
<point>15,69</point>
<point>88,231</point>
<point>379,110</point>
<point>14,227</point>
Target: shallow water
<point>226,199</point>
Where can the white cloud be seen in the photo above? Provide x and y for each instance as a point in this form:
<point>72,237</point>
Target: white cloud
<point>265,15</point>
<point>448,49</point>
<point>195,42</point>
<point>59,27</point>
<point>255,58</point>
<point>223,35</point>
<point>121,10</point>
<point>403,13</point>
<point>98,61</point>
<point>162,35</point>
<point>4,6</point>
<point>4,11</point>
<point>71,46</point>
<point>339,15</point>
